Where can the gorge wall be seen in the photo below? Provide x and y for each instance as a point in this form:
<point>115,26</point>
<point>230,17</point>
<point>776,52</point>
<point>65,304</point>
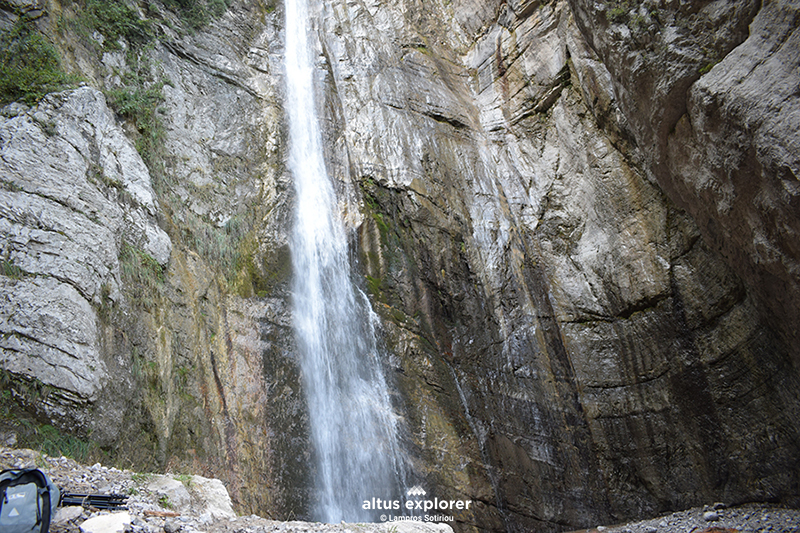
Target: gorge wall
<point>576,220</point>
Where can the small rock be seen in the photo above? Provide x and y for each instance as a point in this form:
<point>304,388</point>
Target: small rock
<point>66,514</point>
<point>8,439</point>
<point>650,529</point>
<point>107,523</point>
<point>711,516</point>
<point>14,109</point>
<point>719,505</point>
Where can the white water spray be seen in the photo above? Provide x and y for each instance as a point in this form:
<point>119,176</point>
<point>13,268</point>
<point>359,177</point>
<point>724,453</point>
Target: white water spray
<point>352,425</point>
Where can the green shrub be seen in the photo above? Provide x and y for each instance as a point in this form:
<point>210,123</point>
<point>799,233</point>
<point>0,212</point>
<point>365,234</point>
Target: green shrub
<point>9,269</point>
<point>115,20</point>
<point>617,11</point>
<point>140,267</point>
<point>137,101</point>
<point>29,65</point>
<point>139,105</point>
<point>51,441</point>
<point>616,14</point>
<point>197,13</point>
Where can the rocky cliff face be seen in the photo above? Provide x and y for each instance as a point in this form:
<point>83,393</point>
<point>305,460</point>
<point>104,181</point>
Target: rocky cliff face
<point>577,221</point>
<point>715,127</point>
<point>75,191</point>
<point>144,299</point>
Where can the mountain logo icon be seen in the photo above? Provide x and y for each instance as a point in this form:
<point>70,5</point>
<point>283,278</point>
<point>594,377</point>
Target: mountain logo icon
<point>416,491</point>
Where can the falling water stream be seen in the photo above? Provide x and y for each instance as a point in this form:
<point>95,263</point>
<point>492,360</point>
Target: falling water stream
<point>352,424</point>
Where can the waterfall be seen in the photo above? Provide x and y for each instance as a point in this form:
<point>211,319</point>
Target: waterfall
<point>353,428</point>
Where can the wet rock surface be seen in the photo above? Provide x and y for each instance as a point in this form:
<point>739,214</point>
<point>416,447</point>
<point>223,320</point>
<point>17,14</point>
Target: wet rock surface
<point>570,322</point>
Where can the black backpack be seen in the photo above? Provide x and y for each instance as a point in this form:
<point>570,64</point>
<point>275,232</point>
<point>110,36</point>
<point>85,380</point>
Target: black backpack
<point>28,500</point>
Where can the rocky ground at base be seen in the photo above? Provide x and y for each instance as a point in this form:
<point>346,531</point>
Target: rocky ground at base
<point>172,503</point>
<point>716,518</point>
<point>166,503</point>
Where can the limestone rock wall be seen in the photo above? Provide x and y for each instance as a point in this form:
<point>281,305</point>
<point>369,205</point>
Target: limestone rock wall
<point>709,89</point>
<point>559,320</point>
<point>144,297</point>
<point>585,297</point>
<point>73,188</point>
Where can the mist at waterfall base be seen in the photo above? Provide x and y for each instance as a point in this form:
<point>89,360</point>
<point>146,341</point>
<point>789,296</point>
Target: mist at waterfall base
<point>353,428</point>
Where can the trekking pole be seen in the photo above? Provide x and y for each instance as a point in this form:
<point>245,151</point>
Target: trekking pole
<point>98,501</point>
